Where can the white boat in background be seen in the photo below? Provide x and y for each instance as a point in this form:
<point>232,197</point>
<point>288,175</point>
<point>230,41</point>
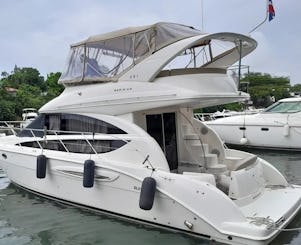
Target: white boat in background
<point>215,115</point>
<point>276,127</point>
<point>121,138</point>
<point>224,113</point>
<point>28,115</point>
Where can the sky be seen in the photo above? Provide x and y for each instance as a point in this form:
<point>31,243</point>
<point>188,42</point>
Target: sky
<point>38,33</point>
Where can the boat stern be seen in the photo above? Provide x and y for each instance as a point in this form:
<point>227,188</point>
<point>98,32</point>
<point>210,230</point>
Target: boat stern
<point>266,216</point>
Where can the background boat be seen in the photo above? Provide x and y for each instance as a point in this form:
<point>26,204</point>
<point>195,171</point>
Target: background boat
<point>277,127</point>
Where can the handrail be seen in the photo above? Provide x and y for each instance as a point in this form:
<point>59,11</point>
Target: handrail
<point>9,125</point>
<point>123,137</point>
<point>38,140</point>
<point>212,116</point>
<point>66,149</point>
<point>90,144</point>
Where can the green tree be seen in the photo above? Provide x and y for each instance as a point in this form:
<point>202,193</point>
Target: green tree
<point>7,110</point>
<point>296,88</point>
<point>32,91</point>
<point>53,87</point>
<point>27,96</point>
<point>4,74</point>
<point>262,87</point>
<point>26,75</point>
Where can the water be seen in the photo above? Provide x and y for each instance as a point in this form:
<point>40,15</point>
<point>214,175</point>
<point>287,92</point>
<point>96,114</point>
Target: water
<point>28,219</point>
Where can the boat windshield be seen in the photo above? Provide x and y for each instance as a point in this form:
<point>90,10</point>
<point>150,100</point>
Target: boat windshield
<point>285,107</point>
<point>105,57</point>
<point>28,110</point>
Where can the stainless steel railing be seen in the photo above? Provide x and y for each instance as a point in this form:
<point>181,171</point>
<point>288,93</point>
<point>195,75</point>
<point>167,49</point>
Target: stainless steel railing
<point>9,128</point>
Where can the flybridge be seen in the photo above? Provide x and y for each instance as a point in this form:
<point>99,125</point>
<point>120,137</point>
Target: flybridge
<point>104,57</point>
<point>163,46</point>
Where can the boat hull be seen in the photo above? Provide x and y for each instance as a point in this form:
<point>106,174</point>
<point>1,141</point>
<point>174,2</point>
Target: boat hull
<point>262,131</point>
<point>258,136</point>
<point>119,194</point>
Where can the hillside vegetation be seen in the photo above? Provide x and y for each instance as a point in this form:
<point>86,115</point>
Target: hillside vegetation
<point>24,88</point>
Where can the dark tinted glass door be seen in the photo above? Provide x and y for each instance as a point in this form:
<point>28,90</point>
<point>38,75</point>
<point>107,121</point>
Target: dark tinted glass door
<point>162,127</point>
<point>155,128</point>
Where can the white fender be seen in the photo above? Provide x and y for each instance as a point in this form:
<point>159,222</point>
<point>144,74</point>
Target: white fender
<point>286,130</point>
<point>243,141</point>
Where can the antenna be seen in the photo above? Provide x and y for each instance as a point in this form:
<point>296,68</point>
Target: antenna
<point>202,7</point>
<point>265,19</point>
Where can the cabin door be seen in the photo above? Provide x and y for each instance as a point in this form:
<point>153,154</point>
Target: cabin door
<point>162,127</point>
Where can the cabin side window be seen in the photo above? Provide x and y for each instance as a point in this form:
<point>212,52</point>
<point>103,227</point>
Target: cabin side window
<point>68,124</point>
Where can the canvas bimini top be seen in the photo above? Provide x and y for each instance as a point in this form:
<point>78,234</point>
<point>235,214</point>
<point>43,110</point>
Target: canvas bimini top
<point>106,57</point>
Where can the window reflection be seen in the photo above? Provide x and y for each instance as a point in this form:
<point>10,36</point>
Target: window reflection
<point>68,124</point>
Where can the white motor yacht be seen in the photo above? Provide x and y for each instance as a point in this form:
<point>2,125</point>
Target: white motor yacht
<point>28,115</point>
<point>276,127</point>
<point>122,138</point>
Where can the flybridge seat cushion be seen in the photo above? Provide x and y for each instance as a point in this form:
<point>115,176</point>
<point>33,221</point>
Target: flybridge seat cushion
<point>105,57</point>
<point>209,178</point>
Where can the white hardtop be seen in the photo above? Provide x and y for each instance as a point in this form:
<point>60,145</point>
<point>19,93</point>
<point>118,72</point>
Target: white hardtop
<point>295,99</point>
<point>26,110</point>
